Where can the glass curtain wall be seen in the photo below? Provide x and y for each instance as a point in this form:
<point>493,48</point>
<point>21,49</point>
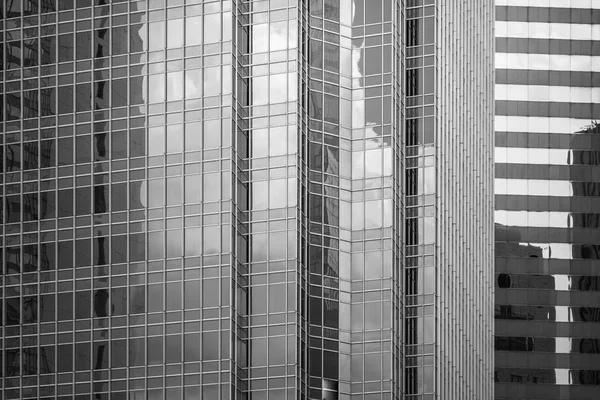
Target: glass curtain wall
<point>207,199</point>
<point>274,218</point>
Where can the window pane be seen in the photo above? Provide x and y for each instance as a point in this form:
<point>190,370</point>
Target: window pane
<point>212,240</point>
<point>212,133</point>
<point>277,193</point>
<point>155,350</point>
<point>212,28</point>
<point>174,243</point>
<point>175,33</point>
<point>156,35</point>
<point>212,81</point>
<point>192,347</point>
<point>174,191</point>
<point>278,88</point>
<point>193,31</point>
<point>260,38</point>
<point>175,86</point>
<point>212,187</point>
<point>192,294</point>
<point>173,349</point>
<point>156,88</point>
<point>193,242</point>
<point>193,83</point>
<point>278,36</point>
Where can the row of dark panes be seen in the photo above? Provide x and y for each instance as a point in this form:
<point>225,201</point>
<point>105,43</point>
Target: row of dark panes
<point>581,143</point>
<point>548,376</point>
<point>564,15</point>
<point>546,109</point>
<point>566,172</point>
<point>546,344</point>
<point>550,78</point>
<point>546,313</point>
<point>114,353</point>
<point>43,154</point>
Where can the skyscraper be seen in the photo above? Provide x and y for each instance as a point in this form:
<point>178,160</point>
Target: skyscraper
<point>547,244</point>
<point>247,199</point>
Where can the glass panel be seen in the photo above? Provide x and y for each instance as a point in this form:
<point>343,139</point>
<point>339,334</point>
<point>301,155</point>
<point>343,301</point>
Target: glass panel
<point>175,33</point>
<point>212,28</point>
<point>193,31</point>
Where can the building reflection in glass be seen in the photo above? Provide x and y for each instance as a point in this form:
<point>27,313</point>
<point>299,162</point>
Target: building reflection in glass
<point>547,197</point>
<point>546,287</point>
<point>63,194</point>
<point>206,199</point>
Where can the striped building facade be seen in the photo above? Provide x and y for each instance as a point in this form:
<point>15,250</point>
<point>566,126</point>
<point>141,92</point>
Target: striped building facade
<point>547,199</point>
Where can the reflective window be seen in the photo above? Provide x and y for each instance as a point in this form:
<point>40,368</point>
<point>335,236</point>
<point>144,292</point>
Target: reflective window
<point>156,35</point>
<point>212,28</point>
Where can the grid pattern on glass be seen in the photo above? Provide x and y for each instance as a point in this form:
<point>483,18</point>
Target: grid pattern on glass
<point>369,135</point>
<point>323,199</point>
<point>94,90</point>
<point>274,319</point>
<point>57,212</point>
<point>205,199</point>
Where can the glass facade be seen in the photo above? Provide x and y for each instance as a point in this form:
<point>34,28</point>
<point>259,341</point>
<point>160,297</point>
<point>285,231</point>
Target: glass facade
<point>547,248</point>
<point>254,200</point>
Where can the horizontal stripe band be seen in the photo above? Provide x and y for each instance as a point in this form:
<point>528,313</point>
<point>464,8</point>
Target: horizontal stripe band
<point>541,124</point>
<point>532,156</point>
<point>545,219</point>
<point>547,30</point>
<point>547,109</point>
<point>545,203</point>
<point>547,93</point>
<point>547,46</point>
<point>580,143</point>
<point>542,377</point>
<point>548,14</point>
<point>555,251</point>
<point>547,62</point>
<point>546,172</point>
<point>546,187</point>
<point>563,282</point>
<point>573,159</point>
<point>589,4</point>
<point>540,312</point>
